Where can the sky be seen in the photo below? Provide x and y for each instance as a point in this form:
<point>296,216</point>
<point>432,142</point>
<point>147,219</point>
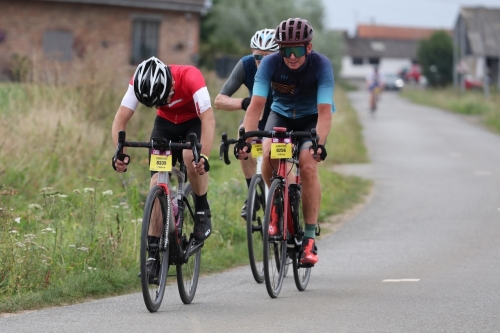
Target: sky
<point>346,14</point>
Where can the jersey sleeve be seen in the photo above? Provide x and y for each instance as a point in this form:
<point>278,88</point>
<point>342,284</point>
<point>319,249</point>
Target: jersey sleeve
<point>234,81</point>
<point>194,83</point>
<point>129,99</point>
<point>325,83</point>
<point>263,77</point>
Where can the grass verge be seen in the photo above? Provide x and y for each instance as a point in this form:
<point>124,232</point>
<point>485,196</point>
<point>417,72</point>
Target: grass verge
<point>470,103</point>
<point>70,225</point>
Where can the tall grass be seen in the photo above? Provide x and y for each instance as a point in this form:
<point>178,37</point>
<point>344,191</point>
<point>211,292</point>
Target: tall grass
<point>70,225</point>
<point>472,103</point>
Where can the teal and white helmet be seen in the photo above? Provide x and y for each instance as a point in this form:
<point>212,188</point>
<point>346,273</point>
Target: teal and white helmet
<point>264,40</point>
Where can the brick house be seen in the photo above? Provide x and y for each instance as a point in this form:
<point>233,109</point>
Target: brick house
<point>122,32</point>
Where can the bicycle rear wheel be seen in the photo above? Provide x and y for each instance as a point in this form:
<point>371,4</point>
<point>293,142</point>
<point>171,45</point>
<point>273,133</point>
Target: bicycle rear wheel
<point>301,275</point>
<point>153,280</point>
<point>256,203</point>
<point>274,255</point>
<point>188,273</point>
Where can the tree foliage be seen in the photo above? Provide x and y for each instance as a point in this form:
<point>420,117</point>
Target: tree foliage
<point>435,55</point>
<point>230,24</point>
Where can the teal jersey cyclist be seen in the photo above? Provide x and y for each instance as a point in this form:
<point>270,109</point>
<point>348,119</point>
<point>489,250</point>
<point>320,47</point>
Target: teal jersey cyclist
<point>302,86</point>
<point>262,44</point>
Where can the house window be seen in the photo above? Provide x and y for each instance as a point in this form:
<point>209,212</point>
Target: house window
<point>374,61</point>
<point>58,44</point>
<point>357,61</point>
<point>144,39</point>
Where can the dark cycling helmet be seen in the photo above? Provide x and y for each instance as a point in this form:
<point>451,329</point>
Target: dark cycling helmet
<point>152,82</point>
<point>293,31</point>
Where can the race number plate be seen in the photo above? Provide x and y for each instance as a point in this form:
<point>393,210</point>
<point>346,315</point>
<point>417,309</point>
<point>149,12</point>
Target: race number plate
<point>161,160</point>
<point>256,148</point>
<point>281,148</point>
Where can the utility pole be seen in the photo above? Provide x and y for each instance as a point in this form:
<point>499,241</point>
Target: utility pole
<point>483,47</point>
<point>462,48</point>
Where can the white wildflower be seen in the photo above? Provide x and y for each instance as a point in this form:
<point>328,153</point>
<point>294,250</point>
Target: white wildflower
<point>17,220</point>
<point>115,206</point>
<point>88,190</point>
<point>42,247</point>
<point>20,244</point>
<point>30,236</point>
<point>107,193</point>
<point>77,191</point>
<point>13,232</point>
<point>46,230</point>
<point>72,245</point>
<point>139,220</point>
<point>83,248</point>
<point>62,195</point>
<point>34,206</point>
<point>91,268</point>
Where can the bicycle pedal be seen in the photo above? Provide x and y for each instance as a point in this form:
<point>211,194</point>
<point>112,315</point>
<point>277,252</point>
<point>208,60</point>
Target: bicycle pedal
<point>306,265</point>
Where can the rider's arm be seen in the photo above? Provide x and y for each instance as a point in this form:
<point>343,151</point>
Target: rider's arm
<point>195,83</point>
<point>326,106</point>
<point>259,96</point>
<point>224,101</point>
<point>207,131</point>
<point>124,113</point>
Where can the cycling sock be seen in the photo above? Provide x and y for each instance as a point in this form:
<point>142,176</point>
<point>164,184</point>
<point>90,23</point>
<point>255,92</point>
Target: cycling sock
<point>248,181</point>
<point>310,231</point>
<point>201,202</point>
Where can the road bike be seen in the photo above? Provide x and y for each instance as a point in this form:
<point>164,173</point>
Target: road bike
<point>256,203</point>
<point>166,217</point>
<point>284,203</point>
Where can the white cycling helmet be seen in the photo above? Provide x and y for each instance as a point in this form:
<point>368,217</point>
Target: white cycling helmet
<point>264,40</point>
<point>152,82</point>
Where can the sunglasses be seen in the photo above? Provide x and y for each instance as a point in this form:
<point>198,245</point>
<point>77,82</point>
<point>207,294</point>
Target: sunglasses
<point>298,51</point>
<point>258,56</point>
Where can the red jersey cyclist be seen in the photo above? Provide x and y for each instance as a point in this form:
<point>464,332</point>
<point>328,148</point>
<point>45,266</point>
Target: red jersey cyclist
<point>183,106</point>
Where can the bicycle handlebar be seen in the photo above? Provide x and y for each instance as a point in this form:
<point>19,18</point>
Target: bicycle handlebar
<point>158,143</point>
<point>280,133</point>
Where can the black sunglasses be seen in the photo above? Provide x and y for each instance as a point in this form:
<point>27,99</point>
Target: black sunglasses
<point>258,56</point>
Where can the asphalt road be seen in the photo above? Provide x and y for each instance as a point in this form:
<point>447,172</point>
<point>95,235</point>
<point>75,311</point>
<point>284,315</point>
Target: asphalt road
<point>422,256</point>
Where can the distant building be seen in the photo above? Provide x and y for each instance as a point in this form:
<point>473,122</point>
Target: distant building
<point>126,31</point>
<point>391,48</point>
<point>477,38</point>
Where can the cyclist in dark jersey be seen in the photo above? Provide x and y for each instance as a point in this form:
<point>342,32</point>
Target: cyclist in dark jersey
<point>262,44</point>
<point>302,85</point>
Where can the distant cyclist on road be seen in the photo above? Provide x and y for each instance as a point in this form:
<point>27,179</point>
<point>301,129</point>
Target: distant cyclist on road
<point>183,106</point>
<point>302,85</point>
<point>262,44</point>
<point>375,84</point>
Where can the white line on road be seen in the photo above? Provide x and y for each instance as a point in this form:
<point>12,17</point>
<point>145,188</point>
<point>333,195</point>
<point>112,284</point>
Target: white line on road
<point>482,173</point>
<point>401,280</point>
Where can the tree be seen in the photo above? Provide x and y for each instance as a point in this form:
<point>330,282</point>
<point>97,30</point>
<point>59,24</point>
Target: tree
<point>230,24</point>
<point>435,55</point>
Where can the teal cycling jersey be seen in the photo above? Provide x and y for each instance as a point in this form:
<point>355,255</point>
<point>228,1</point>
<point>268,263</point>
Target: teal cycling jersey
<point>296,93</point>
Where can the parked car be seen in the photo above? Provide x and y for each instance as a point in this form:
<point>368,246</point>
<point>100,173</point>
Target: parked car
<point>471,83</point>
<point>393,82</point>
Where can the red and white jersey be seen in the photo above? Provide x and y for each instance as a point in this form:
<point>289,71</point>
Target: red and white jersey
<point>190,99</point>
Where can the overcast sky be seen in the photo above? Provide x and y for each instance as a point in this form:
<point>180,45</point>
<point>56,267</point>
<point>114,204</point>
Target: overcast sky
<point>346,14</point>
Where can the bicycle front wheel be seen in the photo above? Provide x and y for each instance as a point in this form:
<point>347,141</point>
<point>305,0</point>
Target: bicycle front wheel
<point>154,248</point>
<point>256,203</point>
<point>301,275</point>
<point>188,273</point>
<point>274,255</point>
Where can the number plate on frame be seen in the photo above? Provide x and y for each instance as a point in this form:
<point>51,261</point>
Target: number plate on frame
<point>161,160</point>
<point>256,148</point>
<point>281,148</point>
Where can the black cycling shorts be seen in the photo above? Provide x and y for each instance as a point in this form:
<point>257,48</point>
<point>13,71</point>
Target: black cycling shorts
<point>164,128</point>
<point>304,124</point>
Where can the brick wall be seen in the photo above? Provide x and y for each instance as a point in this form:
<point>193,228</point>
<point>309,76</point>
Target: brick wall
<point>102,34</point>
